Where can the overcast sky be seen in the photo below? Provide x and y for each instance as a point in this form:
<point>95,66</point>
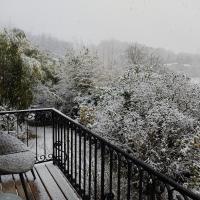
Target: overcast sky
<point>172,24</point>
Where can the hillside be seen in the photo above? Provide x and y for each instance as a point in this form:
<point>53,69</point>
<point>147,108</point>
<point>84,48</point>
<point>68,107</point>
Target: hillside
<point>49,44</point>
<point>111,52</point>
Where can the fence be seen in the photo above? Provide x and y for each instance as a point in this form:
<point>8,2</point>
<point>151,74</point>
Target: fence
<point>96,168</point>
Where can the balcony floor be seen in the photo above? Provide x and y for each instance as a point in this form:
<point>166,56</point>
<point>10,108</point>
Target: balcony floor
<point>50,184</point>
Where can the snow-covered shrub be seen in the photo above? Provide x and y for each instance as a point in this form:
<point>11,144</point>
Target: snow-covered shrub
<point>149,114</point>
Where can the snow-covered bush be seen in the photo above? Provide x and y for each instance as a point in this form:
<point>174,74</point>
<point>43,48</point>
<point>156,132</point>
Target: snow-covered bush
<point>150,113</point>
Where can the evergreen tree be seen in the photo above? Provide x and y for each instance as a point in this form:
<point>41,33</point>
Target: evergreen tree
<point>15,81</point>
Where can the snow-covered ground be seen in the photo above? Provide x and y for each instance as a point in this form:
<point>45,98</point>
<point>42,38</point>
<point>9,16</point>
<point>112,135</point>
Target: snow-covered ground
<point>44,146</point>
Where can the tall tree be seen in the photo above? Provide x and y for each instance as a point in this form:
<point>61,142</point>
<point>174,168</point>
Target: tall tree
<point>15,80</point>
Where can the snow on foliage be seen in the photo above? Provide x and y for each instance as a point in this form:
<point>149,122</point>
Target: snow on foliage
<point>146,109</point>
<point>154,114</point>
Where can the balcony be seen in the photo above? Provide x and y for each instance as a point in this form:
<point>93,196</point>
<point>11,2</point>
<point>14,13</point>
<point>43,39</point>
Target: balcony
<point>50,184</point>
<point>74,163</point>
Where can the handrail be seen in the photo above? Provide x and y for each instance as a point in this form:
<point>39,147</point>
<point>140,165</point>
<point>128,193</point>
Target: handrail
<point>129,157</point>
<point>25,111</point>
<point>136,161</point>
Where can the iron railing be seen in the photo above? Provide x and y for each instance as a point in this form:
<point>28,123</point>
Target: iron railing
<point>96,168</point>
<point>33,127</point>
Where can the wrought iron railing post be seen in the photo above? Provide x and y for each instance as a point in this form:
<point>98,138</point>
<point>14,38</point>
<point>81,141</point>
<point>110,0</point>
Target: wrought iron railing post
<point>53,136</point>
<point>102,169</point>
